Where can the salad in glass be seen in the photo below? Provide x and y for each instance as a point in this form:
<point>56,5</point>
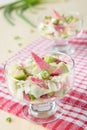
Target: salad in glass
<point>61,28</point>
<point>39,80</point>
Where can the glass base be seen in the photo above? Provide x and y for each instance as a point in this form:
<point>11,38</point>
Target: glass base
<point>68,49</point>
<point>42,113</point>
<point>62,46</point>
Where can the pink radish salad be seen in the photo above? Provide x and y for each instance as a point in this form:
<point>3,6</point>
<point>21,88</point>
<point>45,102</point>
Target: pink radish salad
<point>60,26</point>
<point>39,78</point>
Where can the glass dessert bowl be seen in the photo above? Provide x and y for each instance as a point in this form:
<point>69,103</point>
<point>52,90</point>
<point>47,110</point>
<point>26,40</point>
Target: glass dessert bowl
<point>61,28</point>
<point>39,82</point>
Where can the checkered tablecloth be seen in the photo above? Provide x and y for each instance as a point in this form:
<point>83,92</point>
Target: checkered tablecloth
<point>73,105</point>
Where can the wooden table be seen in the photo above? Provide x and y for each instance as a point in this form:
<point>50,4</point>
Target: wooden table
<point>9,46</point>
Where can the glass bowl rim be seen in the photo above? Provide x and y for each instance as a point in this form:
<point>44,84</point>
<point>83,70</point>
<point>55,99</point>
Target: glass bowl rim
<point>53,53</point>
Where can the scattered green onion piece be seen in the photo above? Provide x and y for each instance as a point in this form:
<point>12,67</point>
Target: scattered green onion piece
<point>9,119</point>
<point>9,51</point>
<point>32,31</point>
<point>17,37</point>
<point>20,44</point>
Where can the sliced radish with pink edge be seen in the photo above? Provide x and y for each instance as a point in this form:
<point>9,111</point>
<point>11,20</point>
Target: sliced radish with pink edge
<point>59,27</point>
<point>26,96</point>
<point>57,15</point>
<point>56,72</point>
<point>40,62</point>
<point>44,96</point>
<point>39,82</point>
<point>62,68</point>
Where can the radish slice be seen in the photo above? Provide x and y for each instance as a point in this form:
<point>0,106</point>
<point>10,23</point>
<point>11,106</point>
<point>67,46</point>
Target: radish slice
<point>57,15</point>
<point>26,96</point>
<point>39,82</point>
<point>40,62</point>
<point>59,27</point>
<point>56,72</point>
<point>62,68</point>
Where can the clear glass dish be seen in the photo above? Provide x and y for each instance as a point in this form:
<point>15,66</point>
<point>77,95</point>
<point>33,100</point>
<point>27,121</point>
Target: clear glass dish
<point>61,33</point>
<point>43,109</point>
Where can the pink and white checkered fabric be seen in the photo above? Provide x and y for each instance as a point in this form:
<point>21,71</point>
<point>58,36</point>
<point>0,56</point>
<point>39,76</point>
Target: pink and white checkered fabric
<point>73,105</point>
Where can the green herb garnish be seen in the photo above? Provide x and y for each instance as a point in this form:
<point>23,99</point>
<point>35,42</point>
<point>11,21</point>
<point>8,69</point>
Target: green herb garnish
<point>32,97</point>
<point>9,119</point>
<point>45,74</point>
<point>17,37</point>
<point>32,31</point>
<point>49,59</point>
<point>70,19</point>
<point>57,21</point>
<point>9,51</point>
<point>47,17</point>
<point>20,44</point>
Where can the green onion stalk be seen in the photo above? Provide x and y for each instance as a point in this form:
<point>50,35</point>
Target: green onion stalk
<point>20,6</point>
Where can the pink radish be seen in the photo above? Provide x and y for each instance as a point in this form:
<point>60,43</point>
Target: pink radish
<point>59,27</point>
<point>39,82</point>
<point>57,15</point>
<point>56,72</point>
<point>62,68</point>
<point>26,96</point>
<point>40,62</point>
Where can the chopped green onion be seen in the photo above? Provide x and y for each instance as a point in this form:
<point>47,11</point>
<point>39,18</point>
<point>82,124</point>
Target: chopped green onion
<point>32,31</point>
<point>32,97</point>
<point>51,94</point>
<point>9,51</point>
<point>49,59</point>
<point>9,119</point>
<point>17,37</point>
<point>45,74</point>
<point>47,17</point>
<point>20,44</point>
<point>70,19</point>
<point>57,21</point>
